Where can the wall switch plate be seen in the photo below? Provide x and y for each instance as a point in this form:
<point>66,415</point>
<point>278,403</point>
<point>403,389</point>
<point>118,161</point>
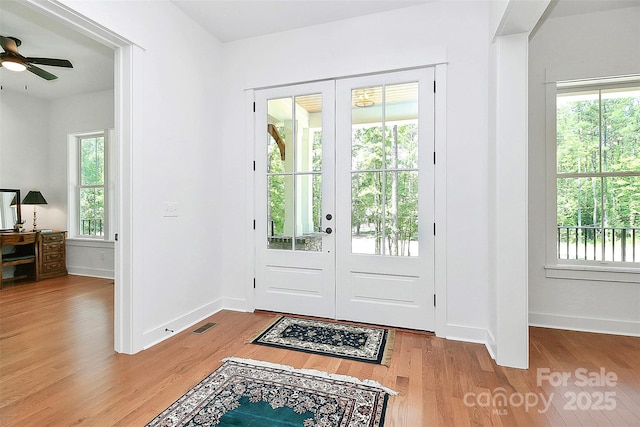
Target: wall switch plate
<point>170,209</point>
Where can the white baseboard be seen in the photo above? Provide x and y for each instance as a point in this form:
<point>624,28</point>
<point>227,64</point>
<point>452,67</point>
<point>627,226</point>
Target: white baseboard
<point>236,304</point>
<point>585,324</point>
<point>471,334</point>
<point>162,332</point>
<point>91,272</point>
<point>492,348</point>
<point>466,333</point>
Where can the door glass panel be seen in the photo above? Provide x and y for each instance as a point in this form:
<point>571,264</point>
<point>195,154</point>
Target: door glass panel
<point>280,196</point>
<point>308,212</point>
<point>401,115</point>
<point>384,149</point>
<point>401,214</point>
<point>294,173</point>
<point>309,133</point>
<point>367,130</point>
<point>279,130</point>
<point>366,212</point>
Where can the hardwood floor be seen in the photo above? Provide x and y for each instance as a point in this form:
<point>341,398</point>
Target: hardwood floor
<point>58,368</point>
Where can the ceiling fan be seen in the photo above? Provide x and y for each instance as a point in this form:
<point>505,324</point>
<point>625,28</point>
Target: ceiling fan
<point>12,60</point>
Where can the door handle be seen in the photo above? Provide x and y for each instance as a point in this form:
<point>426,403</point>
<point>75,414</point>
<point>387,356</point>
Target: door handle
<point>328,230</point>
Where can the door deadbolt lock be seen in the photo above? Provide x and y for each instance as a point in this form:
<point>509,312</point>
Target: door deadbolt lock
<point>329,216</point>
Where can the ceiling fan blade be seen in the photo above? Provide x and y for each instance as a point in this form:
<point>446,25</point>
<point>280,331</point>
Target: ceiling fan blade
<point>9,45</point>
<point>40,72</point>
<point>51,61</point>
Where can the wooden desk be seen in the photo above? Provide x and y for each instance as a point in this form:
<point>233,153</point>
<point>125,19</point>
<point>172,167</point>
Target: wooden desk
<point>38,255</point>
<point>25,257</point>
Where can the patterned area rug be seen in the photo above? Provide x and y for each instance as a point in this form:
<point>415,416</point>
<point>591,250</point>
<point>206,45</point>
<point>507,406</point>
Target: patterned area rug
<point>362,343</point>
<point>245,392</point>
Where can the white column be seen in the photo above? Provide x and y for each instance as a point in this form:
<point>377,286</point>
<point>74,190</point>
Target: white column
<point>511,218</point>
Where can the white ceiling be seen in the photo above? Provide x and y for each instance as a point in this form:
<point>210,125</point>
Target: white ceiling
<point>227,20</point>
<point>238,19</point>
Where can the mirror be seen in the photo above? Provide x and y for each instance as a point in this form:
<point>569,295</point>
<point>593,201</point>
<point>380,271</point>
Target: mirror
<point>9,209</point>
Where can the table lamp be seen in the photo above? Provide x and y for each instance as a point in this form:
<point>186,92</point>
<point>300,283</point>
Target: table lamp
<point>34,198</point>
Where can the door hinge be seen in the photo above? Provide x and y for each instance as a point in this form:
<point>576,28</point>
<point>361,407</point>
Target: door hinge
<point>116,237</point>
<point>434,157</point>
<point>434,300</point>
<point>434,228</point>
<point>254,165</point>
<point>254,283</point>
<point>254,105</point>
<point>434,90</point>
<point>254,224</point>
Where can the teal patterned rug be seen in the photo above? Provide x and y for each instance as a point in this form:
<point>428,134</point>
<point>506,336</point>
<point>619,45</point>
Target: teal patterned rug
<point>355,342</point>
<point>244,392</point>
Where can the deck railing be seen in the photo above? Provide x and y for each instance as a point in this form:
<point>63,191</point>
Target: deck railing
<point>92,227</point>
<point>620,244</point>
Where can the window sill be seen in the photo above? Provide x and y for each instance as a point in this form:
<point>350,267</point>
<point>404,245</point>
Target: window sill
<point>594,273</point>
<point>88,242</point>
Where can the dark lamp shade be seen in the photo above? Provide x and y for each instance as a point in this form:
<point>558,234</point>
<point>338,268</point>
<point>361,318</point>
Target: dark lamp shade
<point>34,198</point>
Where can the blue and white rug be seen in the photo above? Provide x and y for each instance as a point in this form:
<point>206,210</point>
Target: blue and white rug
<point>355,342</point>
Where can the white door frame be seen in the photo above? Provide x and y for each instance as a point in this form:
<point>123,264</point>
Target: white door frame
<point>127,88</point>
<point>440,242</point>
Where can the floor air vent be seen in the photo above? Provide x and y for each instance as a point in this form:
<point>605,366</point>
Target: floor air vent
<point>204,328</point>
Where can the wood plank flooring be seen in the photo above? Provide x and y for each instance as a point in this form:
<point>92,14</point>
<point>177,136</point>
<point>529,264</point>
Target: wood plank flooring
<point>58,368</point>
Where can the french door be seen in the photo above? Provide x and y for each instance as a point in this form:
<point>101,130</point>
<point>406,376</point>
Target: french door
<point>295,257</point>
<point>344,199</point>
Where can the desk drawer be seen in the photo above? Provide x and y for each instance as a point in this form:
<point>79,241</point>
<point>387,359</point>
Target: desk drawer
<point>18,238</point>
<point>51,267</point>
<point>52,256</point>
<point>52,247</point>
<point>52,238</point>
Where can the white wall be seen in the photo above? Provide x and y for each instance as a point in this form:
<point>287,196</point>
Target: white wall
<point>87,112</point>
<point>24,154</point>
<point>589,45</point>
<point>82,113</point>
<point>176,157</point>
<point>195,142</point>
<point>33,149</point>
<point>34,131</point>
<point>455,31</point>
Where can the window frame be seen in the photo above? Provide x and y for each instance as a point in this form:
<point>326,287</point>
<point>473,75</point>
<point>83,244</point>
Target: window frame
<point>614,271</point>
<point>74,184</point>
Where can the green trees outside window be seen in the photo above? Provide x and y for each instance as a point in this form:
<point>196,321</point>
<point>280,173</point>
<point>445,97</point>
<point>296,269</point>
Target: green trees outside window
<point>92,186</point>
<point>384,190</point>
<point>598,173</point>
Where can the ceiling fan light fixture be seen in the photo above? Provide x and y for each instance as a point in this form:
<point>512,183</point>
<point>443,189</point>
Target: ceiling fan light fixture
<point>13,64</point>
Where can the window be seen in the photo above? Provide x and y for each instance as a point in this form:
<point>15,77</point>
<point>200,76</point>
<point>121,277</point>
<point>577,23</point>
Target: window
<point>384,170</point>
<point>598,172</point>
<point>89,200</point>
